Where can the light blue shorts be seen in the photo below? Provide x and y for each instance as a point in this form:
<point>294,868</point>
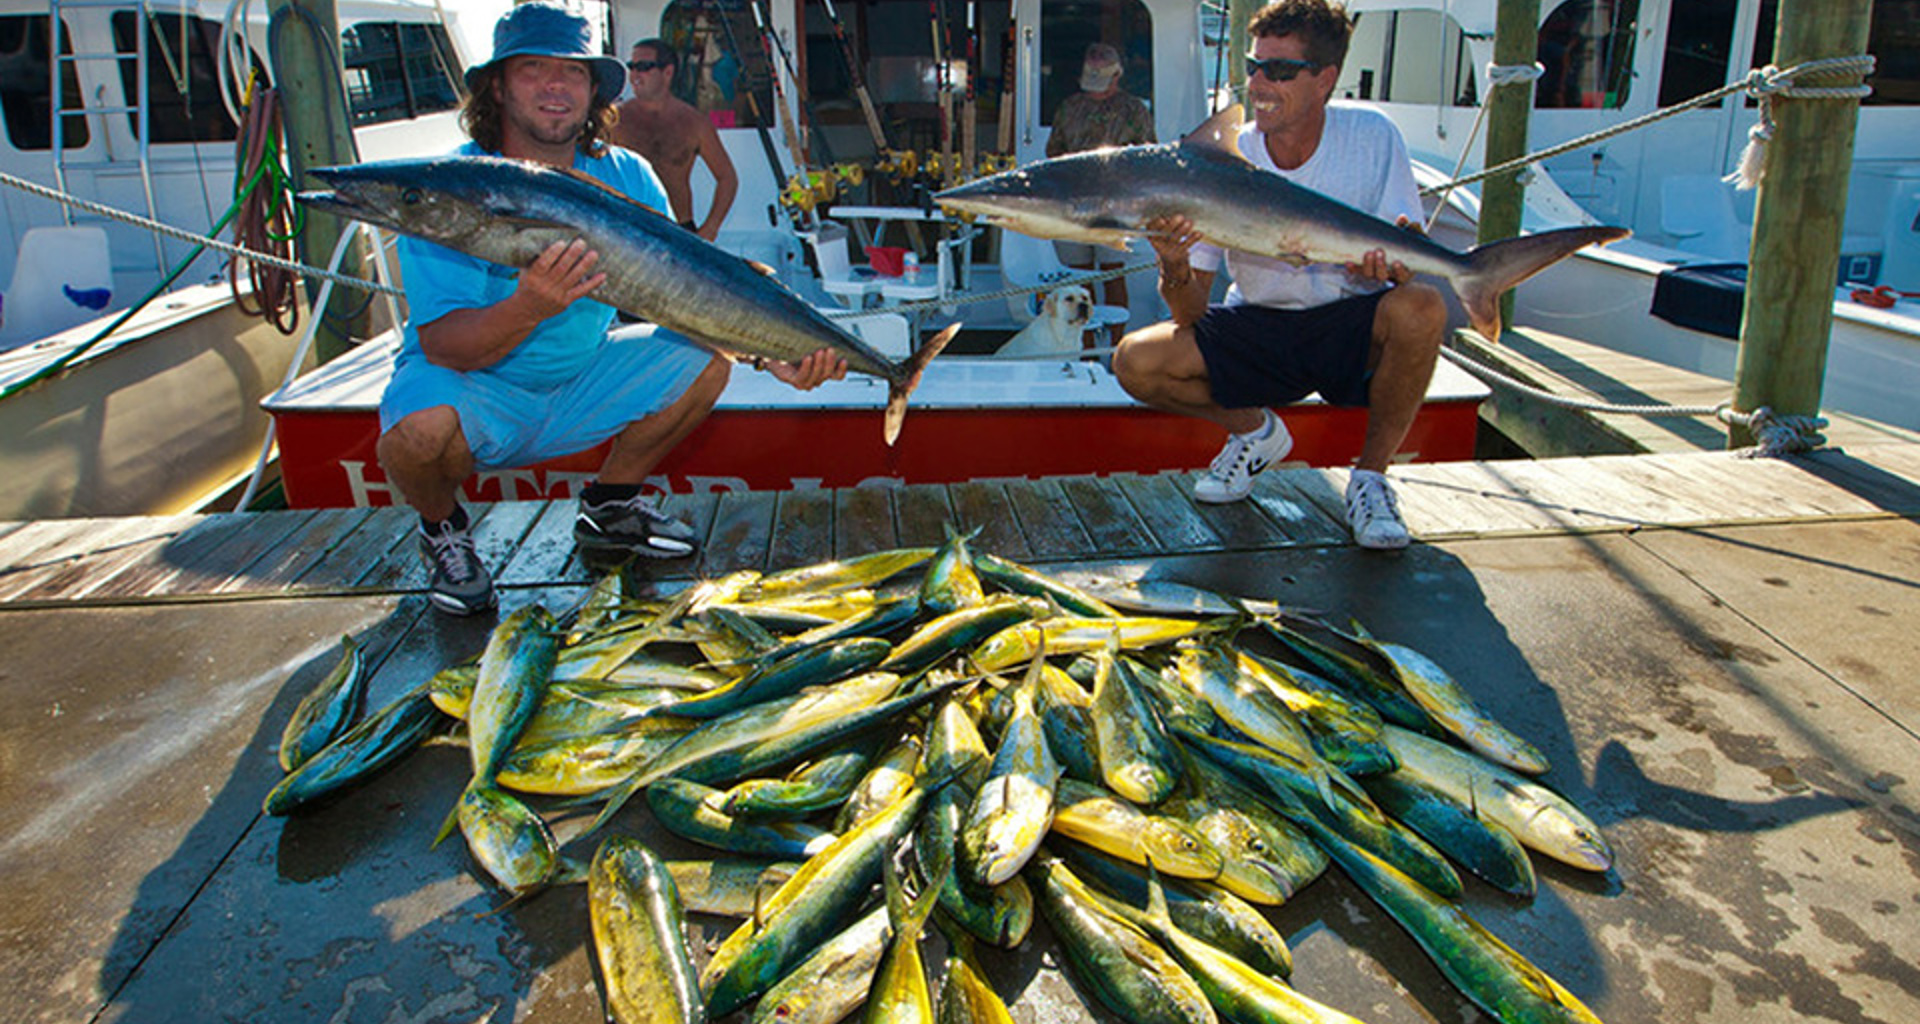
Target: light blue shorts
<point>632,376</point>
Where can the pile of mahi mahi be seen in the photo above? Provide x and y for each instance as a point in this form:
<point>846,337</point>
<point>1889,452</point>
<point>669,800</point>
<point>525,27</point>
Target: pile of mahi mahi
<point>997,738</point>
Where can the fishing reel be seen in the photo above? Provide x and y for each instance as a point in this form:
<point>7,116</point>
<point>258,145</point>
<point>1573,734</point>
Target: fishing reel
<point>994,163</point>
<point>809,189</point>
<point>899,165</point>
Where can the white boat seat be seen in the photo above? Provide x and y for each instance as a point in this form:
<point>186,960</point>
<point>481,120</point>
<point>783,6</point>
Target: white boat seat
<point>1697,211</point>
<point>853,284</point>
<point>888,333</point>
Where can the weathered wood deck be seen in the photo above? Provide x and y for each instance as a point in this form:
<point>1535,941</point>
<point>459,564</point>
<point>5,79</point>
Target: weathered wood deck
<point>1716,654</point>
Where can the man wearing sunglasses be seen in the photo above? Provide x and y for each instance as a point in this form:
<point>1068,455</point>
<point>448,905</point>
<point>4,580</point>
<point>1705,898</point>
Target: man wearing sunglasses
<point>1364,334</point>
<point>671,133</point>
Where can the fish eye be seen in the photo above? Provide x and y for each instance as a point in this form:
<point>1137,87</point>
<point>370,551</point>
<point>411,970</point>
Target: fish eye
<point>410,196</point>
<point>1258,846</point>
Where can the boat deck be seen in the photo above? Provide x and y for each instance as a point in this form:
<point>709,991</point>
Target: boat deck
<point>1716,653</point>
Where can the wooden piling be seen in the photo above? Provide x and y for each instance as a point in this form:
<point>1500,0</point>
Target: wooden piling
<point>303,46</point>
<point>1516,39</point>
<point>1799,216</point>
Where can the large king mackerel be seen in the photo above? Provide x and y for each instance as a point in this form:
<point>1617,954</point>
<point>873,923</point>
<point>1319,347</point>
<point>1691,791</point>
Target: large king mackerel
<point>509,211</point>
<point>1106,196</point>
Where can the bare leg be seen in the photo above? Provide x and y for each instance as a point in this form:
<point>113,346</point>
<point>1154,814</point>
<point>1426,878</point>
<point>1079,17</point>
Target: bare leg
<point>1408,326</point>
<point>1160,365</point>
<point>640,447</point>
<point>426,456</point>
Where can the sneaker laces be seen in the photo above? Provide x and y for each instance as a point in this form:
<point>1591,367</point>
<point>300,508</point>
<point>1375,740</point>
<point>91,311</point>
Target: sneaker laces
<point>452,553</point>
<point>1373,499</point>
<point>1237,453</point>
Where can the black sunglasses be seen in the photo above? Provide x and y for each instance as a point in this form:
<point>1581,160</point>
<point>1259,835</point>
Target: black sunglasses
<point>645,65</point>
<point>1279,69</point>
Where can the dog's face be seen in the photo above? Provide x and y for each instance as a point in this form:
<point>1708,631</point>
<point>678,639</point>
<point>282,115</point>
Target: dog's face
<point>1072,305</point>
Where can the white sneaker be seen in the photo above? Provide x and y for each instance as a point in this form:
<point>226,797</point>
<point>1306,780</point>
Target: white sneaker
<point>1374,513</point>
<point>1230,477</point>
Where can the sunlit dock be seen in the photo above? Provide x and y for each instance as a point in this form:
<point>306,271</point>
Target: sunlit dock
<point>1716,653</point>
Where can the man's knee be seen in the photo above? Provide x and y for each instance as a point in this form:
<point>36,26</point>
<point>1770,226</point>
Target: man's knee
<point>428,437</point>
<point>1415,311</point>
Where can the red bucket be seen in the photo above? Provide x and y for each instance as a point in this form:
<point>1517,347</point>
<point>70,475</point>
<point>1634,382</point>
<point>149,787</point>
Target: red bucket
<point>887,260</point>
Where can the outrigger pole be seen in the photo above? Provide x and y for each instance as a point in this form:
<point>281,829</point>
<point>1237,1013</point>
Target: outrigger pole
<point>969,110</point>
<point>802,103</point>
<point>787,128</point>
<point>874,127</point>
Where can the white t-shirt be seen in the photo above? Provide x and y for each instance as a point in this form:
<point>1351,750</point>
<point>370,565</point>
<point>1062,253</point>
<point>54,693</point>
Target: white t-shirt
<point>1362,161</point>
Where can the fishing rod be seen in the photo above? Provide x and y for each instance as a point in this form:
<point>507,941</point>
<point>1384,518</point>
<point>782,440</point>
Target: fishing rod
<point>787,127</point>
<point>753,103</point>
<point>1009,69</point>
<point>811,124</point>
<point>969,110</point>
<point>874,127</point>
<point>944,81</point>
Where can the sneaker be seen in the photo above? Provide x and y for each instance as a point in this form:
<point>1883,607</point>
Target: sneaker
<point>1374,512</point>
<point>1230,478</point>
<point>634,524</point>
<point>458,583</point>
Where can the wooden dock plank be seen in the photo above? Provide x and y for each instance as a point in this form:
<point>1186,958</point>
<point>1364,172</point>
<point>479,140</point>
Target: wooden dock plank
<point>373,541</point>
<point>1112,524</point>
<point>1046,515</point>
<point>742,531</point>
<point>1875,473</point>
<point>229,560</point>
<point>69,579</point>
<point>1305,504</point>
<point>1501,495</point>
<point>1738,490</point>
<point>74,553</point>
<point>802,529</point>
<point>1791,484</point>
<point>299,551</point>
<point>983,505</point>
<point>1672,487</point>
<point>30,549</point>
<point>1167,512</point>
<point>546,553</point>
<point>1243,525</point>
<point>863,521</point>
<point>1442,501</point>
<point>923,513</point>
<point>1591,499</point>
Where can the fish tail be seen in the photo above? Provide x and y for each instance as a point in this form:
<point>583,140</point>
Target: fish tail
<point>453,819</point>
<point>1497,266</point>
<point>916,364</point>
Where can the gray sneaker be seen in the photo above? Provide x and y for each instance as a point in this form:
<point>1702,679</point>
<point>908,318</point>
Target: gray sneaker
<point>458,583</point>
<point>636,525</point>
<point>1374,512</point>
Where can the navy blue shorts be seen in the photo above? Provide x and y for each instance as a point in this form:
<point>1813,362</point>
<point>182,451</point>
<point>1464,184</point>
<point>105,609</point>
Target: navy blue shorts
<point>1258,356</point>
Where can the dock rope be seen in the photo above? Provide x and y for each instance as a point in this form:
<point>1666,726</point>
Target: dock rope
<point>1759,82</point>
<point>1775,434</point>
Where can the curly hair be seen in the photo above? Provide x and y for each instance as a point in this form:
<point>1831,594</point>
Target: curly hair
<point>1322,25</point>
<point>480,116</point>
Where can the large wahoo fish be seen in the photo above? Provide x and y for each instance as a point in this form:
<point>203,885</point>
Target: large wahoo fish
<point>509,211</point>
<point>1107,195</point>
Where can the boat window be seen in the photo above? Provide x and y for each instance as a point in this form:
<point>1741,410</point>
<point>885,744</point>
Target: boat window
<point>1699,38</point>
<point>1893,40</point>
<point>183,97</point>
<point>1067,27</point>
<point>1586,47</point>
<point>398,70</point>
<point>1408,57</point>
<point>25,97</point>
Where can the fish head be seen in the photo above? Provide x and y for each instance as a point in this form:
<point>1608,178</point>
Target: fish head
<point>1179,851</point>
<point>444,200</point>
<point>1069,198</point>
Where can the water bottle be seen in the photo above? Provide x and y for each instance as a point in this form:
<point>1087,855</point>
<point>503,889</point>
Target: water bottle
<point>910,266</point>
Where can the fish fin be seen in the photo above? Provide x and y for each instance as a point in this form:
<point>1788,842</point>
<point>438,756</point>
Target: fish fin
<point>1157,897</point>
<point>1219,134</point>
<point>1497,266</point>
<point>916,365</point>
<point>452,822</point>
<point>765,271</point>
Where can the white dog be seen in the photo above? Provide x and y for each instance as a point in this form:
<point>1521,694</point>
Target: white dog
<point>1059,327</point>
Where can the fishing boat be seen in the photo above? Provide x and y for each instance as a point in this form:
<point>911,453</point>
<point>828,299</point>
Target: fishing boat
<point>844,202</point>
<point>1673,292</point>
<point>133,108</point>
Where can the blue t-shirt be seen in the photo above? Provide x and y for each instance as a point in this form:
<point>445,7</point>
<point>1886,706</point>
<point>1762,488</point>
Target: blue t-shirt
<point>440,280</point>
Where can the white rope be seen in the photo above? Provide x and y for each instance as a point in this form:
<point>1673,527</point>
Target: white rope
<point>1775,433</point>
<point>1497,76</point>
<point>158,228</point>
<point>1772,79</point>
<point>1768,82</point>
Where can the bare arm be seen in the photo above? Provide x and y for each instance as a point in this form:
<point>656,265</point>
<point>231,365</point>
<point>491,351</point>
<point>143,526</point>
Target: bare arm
<point>726,182</point>
<point>1185,289</point>
<point>474,339</point>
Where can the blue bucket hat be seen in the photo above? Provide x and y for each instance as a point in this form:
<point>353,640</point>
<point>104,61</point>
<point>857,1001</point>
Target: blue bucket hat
<point>548,30</point>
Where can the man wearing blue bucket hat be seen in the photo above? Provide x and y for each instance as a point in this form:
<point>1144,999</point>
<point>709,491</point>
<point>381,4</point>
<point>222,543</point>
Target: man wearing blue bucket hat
<point>500,368</point>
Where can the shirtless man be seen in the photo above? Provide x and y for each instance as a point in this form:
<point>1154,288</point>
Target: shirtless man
<point>670,132</point>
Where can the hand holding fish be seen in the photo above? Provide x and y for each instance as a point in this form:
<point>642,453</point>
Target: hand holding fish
<point>562,273</point>
<point>817,368</point>
<point>1374,266</point>
<point>1172,237</point>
